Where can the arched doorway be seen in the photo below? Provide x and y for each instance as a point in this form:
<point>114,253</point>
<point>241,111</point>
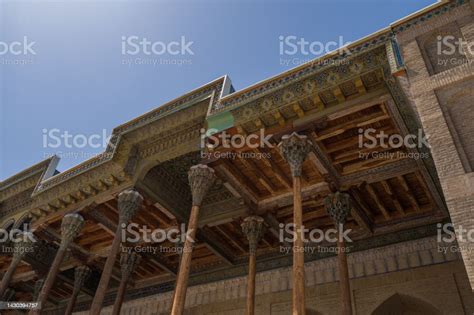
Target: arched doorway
<point>400,304</point>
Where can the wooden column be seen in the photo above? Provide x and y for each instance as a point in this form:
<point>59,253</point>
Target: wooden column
<point>201,179</point>
<point>179,245</point>
<point>21,246</point>
<point>70,227</point>
<point>338,206</point>
<point>128,263</point>
<point>294,149</point>
<point>81,274</point>
<point>8,295</point>
<point>129,202</point>
<point>252,227</point>
<point>38,286</point>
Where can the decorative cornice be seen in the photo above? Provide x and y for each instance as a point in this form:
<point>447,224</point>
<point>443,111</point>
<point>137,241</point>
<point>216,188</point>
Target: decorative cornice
<point>214,90</point>
<point>20,177</point>
<point>335,62</point>
<point>421,17</point>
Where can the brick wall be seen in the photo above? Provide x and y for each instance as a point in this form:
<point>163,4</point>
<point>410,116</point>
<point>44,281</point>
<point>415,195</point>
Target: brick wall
<point>443,98</point>
<point>417,269</point>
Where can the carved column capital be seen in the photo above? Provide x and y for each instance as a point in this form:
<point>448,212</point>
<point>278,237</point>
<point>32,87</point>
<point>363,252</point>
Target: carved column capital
<point>294,149</point>
<point>81,274</point>
<point>252,227</point>
<point>128,263</point>
<point>129,201</point>
<point>338,206</point>
<point>22,245</point>
<point>71,225</point>
<point>201,178</point>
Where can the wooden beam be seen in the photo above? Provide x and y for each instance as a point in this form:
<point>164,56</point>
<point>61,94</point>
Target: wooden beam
<point>360,212</point>
<point>389,191</point>
<point>379,173</point>
<point>215,246</point>
<point>377,200</point>
<point>104,221</point>
<point>409,194</point>
<point>264,180</point>
<point>282,176</point>
<point>247,191</point>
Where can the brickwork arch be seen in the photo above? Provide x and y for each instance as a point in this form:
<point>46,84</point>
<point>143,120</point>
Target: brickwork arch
<point>400,304</point>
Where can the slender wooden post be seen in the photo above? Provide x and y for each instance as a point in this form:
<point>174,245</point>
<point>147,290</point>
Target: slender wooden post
<point>128,263</point>
<point>38,286</point>
<point>179,245</point>
<point>81,274</point>
<point>129,202</point>
<point>338,206</point>
<point>20,248</point>
<point>8,295</point>
<point>201,179</point>
<point>70,227</point>
<point>253,229</point>
<point>294,149</point>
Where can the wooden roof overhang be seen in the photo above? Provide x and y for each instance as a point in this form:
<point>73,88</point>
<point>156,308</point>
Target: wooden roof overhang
<point>329,102</point>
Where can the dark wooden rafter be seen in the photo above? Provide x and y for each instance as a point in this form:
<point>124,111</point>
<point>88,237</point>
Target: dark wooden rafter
<point>112,226</point>
<point>214,245</point>
<point>426,180</point>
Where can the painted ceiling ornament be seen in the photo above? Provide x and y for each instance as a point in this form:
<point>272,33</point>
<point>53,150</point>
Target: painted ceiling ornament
<point>201,177</point>
<point>71,225</point>
<point>294,149</point>
<point>253,228</point>
<point>288,96</point>
<point>267,104</point>
<point>338,206</point>
<point>332,78</point>
<point>356,67</point>
<point>129,201</point>
<point>309,86</point>
<point>247,113</point>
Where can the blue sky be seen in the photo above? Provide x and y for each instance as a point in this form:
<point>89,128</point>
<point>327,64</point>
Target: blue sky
<point>78,81</point>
